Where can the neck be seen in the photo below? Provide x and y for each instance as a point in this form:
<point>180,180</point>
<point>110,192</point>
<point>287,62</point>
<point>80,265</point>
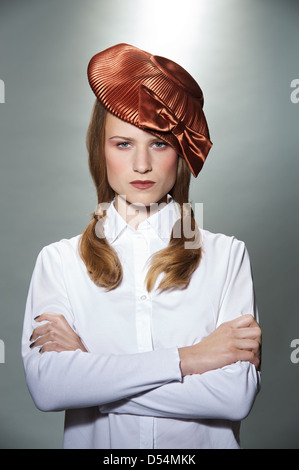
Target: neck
<point>136,213</point>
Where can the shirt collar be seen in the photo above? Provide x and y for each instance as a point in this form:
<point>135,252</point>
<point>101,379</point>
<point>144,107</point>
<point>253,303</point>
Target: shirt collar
<point>161,222</point>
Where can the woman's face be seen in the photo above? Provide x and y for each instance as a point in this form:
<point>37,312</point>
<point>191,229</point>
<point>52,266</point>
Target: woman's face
<point>140,167</point>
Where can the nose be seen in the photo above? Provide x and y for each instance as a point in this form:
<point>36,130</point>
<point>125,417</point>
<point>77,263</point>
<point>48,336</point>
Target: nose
<point>142,160</point>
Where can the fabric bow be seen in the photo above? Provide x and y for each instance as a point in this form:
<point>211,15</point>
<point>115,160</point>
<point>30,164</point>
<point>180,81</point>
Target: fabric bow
<point>154,115</point>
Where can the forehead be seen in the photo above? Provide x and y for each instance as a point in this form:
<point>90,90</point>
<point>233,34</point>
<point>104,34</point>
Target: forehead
<point>116,127</point>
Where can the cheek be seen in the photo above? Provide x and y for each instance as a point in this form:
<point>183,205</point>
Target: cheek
<point>115,168</point>
<point>168,167</point>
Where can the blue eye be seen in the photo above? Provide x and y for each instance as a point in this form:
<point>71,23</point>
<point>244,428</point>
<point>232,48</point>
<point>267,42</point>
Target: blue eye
<point>160,144</point>
<point>123,145</point>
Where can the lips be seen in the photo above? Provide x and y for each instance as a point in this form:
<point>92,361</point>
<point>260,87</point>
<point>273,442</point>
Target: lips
<point>142,184</point>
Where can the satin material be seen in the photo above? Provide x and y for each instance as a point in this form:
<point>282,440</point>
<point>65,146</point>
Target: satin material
<point>154,94</point>
<point>154,115</point>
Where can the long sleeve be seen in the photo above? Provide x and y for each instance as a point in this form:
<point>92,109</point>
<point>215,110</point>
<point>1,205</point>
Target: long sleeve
<point>226,393</point>
<point>127,390</point>
<point>74,379</point>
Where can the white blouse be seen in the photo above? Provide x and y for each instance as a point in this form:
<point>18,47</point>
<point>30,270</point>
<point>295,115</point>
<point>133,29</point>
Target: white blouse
<point>127,390</point>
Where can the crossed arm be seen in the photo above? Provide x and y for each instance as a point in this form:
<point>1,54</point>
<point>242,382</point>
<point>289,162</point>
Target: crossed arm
<point>210,372</point>
<point>215,378</point>
<point>233,341</point>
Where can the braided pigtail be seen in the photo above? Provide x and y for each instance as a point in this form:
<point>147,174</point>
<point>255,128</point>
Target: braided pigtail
<point>103,264</point>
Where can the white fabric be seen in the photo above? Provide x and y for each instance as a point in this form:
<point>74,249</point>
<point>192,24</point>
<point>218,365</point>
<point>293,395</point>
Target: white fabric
<point>127,390</point>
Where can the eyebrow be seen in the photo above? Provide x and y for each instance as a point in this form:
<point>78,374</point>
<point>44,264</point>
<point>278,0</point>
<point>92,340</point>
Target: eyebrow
<point>131,139</point>
<point>120,137</point>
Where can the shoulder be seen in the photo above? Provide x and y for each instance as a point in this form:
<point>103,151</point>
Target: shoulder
<point>62,250</point>
<point>220,240</point>
<point>221,246</point>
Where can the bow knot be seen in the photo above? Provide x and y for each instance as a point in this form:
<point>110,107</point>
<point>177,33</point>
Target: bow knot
<point>154,115</point>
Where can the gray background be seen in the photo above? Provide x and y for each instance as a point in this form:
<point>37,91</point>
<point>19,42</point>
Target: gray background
<point>244,54</point>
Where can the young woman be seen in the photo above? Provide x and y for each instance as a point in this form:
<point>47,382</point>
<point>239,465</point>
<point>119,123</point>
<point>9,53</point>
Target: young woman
<point>143,328</point>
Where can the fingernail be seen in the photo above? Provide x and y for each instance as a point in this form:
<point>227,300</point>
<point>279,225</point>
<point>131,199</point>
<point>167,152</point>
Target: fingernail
<point>41,349</point>
<point>32,344</point>
<point>36,317</point>
<point>30,337</point>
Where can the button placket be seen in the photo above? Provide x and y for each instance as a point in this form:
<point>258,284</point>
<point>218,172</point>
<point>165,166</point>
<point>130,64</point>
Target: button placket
<point>143,304</point>
<point>143,324</point>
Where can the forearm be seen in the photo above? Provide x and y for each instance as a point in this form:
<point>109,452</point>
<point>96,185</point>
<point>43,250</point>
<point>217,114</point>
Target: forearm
<point>226,393</point>
<point>67,379</point>
<point>219,381</point>
<point>76,379</point>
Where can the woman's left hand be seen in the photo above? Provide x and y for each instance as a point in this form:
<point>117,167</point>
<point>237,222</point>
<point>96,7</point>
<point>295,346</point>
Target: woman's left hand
<point>55,335</point>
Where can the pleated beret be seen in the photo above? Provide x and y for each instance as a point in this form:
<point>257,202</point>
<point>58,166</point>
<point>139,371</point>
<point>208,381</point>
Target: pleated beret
<point>154,94</point>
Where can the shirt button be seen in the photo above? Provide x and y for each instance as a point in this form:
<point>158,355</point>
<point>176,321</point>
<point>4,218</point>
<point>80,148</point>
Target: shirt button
<point>143,297</point>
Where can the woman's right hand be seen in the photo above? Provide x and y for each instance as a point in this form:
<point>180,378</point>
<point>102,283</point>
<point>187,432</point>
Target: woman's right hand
<point>55,335</point>
<point>236,340</point>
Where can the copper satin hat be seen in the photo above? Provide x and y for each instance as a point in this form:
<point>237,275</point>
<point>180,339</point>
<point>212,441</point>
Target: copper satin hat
<point>154,94</point>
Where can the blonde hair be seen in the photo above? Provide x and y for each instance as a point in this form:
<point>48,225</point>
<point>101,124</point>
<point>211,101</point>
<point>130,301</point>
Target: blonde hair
<point>103,265</point>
